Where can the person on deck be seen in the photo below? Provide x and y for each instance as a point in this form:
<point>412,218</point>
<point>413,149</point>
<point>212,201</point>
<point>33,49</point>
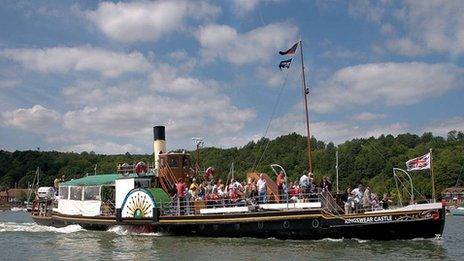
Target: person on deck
<point>347,199</point>
<point>293,192</point>
<point>253,190</point>
<point>56,184</point>
<point>385,201</point>
<point>180,192</point>
<point>366,199</point>
<point>193,189</point>
<point>357,197</point>
<point>326,184</point>
<point>305,184</point>
<point>262,189</point>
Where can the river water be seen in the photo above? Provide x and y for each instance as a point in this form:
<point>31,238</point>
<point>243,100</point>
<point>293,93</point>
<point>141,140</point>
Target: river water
<point>21,239</point>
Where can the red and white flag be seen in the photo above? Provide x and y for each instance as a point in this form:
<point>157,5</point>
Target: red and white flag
<point>419,163</point>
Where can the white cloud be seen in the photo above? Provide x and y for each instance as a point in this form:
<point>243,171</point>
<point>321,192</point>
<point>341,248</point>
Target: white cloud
<point>270,76</point>
<point>36,119</point>
<point>145,20</point>
<point>84,58</point>
<point>405,46</point>
<point>183,117</point>
<point>444,126</point>
<point>187,106</point>
<point>434,25</point>
<point>424,27</point>
<point>390,83</point>
<point>224,42</point>
<point>368,116</point>
<point>245,6</point>
<point>373,11</point>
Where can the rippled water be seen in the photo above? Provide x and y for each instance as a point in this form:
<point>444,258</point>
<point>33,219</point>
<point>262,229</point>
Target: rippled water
<point>21,239</point>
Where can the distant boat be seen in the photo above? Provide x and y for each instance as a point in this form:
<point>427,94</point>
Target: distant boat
<point>457,211</point>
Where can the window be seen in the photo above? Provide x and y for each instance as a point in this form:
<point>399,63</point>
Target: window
<point>92,193</point>
<point>186,162</point>
<point>173,162</point>
<point>64,192</point>
<point>107,193</point>
<point>142,183</point>
<point>76,193</point>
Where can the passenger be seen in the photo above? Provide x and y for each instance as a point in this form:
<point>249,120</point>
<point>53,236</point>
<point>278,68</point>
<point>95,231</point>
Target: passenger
<point>56,185</point>
<point>326,184</point>
<point>293,192</point>
<point>234,184</point>
<point>253,190</point>
<point>193,190</point>
<point>180,189</point>
<point>202,191</point>
<point>375,205</point>
<point>262,189</point>
<point>233,195</point>
<point>385,201</point>
<point>366,199</point>
<point>221,191</point>
<point>347,199</point>
<point>305,184</point>
<point>280,180</point>
<point>357,197</point>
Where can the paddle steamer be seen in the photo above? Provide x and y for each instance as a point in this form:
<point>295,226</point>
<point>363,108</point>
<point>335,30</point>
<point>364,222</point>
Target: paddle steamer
<point>139,197</point>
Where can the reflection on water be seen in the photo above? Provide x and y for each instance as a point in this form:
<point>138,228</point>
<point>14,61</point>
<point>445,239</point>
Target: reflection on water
<point>22,239</point>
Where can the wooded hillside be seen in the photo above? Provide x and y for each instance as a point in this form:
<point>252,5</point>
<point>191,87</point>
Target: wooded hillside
<point>368,161</point>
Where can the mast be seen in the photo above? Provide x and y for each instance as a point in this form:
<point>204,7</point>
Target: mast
<point>305,96</point>
<point>433,177</point>
<point>336,166</point>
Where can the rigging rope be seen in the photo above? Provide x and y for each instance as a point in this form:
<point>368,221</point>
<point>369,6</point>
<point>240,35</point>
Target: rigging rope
<point>270,121</point>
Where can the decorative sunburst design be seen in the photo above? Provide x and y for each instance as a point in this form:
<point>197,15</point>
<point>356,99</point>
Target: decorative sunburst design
<point>138,205</point>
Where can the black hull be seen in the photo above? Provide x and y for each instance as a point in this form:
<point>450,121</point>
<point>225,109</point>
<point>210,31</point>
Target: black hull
<point>305,230</point>
<point>298,225</point>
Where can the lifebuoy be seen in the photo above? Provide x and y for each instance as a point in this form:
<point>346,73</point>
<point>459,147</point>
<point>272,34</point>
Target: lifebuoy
<point>140,167</point>
<point>435,215</point>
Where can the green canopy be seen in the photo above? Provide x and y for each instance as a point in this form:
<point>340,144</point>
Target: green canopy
<point>96,180</point>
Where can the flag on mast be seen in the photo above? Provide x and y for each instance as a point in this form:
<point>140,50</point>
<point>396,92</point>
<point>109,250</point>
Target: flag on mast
<point>285,64</point>
<point>419,163</point>
<point>292,50</point>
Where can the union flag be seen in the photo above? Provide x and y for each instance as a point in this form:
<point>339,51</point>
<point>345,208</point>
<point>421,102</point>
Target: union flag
<point>419,163</point>
<point>292,50</point>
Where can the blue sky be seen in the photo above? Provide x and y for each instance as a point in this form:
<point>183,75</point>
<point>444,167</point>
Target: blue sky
<point>89,76</point>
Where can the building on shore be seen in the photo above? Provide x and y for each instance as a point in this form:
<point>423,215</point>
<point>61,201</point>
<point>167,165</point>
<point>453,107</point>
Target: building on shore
<point>453,196</point>
<point>13,196</point>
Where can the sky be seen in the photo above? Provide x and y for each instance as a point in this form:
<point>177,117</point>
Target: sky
<point>97,76</point>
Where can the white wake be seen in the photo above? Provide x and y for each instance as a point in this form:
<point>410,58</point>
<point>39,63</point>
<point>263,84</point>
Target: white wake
<point>35,228</point>
<point>123,231</point>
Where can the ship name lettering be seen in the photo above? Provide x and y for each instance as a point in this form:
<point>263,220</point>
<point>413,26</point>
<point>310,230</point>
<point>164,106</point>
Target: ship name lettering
<point>368,219</point>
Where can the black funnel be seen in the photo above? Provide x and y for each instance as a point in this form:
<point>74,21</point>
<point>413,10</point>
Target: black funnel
<point>158,133</point>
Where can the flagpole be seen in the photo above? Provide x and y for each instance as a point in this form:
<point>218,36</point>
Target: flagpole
<point>306,92</point>
<point>336,166</point>
<point>433,177</point>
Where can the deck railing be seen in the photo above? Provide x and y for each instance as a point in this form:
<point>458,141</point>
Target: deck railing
<point>190,206</point>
